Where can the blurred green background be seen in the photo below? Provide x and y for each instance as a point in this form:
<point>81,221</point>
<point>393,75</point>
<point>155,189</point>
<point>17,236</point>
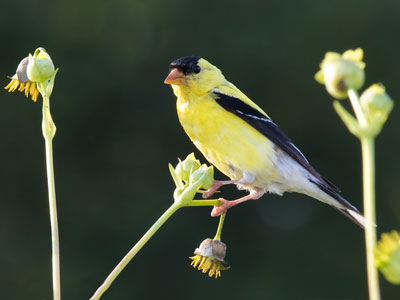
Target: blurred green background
<point>118,129</point>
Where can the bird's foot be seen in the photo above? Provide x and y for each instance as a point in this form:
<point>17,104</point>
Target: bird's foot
<point>222,208</point>
<point>216,185</point>
<point>211,190</point>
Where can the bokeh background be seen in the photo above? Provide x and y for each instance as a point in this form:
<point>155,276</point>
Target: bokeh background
<point>118,129</point>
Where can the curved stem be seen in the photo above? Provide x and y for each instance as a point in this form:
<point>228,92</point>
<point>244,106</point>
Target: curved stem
<point>368,155</point>
<point>146,237</point>
<point>48,129</point>
<point>131,254</point>
<point>219,230</point>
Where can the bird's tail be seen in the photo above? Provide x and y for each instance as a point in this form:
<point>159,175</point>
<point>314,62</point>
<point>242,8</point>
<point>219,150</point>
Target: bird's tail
<point>354,215</point>
<point>343,206</point>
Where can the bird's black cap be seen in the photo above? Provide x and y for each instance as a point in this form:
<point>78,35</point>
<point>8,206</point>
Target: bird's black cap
<point>188,65</point>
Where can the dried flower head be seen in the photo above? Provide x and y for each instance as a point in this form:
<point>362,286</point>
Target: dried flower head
<point>34,74</point>
<point>21,81</point>
<point>210,257</point>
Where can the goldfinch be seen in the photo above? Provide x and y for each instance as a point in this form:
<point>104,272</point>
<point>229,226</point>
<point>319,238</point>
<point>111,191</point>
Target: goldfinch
<point>240,140</point>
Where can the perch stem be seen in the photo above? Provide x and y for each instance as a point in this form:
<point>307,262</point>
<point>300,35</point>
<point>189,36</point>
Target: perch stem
<point>131,254</point>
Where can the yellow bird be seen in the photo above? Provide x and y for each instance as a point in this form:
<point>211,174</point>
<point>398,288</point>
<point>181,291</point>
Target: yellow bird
<point>239,138</point>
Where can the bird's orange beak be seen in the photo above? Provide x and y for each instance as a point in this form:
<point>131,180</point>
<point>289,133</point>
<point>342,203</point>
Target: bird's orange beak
<point>175,77</point>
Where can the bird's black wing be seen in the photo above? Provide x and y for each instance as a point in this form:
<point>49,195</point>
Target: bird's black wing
<point>269,129</point>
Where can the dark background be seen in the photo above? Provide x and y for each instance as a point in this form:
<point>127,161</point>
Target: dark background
<point>118,129</point>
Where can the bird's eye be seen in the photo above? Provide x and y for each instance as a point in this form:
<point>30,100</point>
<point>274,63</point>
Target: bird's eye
<point>196,69</point>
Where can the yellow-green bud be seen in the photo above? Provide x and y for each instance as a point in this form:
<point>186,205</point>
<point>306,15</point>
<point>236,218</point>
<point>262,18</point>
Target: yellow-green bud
<point>181,172</point>
<point>376,102</point>
<point>209,179</point>
<point>207,175</point>
<point>184,168</point>
<point>40,67</point>
<point>342,72</point>
<point>387,256</point>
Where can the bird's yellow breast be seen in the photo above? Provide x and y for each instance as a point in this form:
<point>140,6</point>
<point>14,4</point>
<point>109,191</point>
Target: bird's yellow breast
<point>228,142</point>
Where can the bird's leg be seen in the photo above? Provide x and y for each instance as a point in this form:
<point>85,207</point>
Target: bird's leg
<point>216,185</point>
<point>221,209</point>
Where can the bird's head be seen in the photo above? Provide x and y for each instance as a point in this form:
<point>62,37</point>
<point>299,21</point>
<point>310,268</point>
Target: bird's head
<point>194,73</point>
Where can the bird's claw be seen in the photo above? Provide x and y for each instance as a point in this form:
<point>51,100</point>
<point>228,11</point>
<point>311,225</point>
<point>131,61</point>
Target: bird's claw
<point>211,191</point>
<point>222,208</point>
<point>208,194</point>
<point>216,185</point>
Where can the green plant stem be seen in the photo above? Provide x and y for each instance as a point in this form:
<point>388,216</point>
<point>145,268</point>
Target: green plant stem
<point>220,225</point>
<point>145,238</point>
<point>368,160</point>
<point>49,130</point>
<point>53,222</point>
<point>208,202</point>
<point>367,145</point>
<point>131,254</point>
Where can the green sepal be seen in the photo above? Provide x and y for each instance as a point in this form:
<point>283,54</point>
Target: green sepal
<point>175,177</point>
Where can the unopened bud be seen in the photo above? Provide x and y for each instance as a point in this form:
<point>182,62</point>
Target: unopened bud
<point>342,72</point>
<point>375,101</point>
<point>40,67</point>
<point>207,175</point>
<point>185,167</point>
